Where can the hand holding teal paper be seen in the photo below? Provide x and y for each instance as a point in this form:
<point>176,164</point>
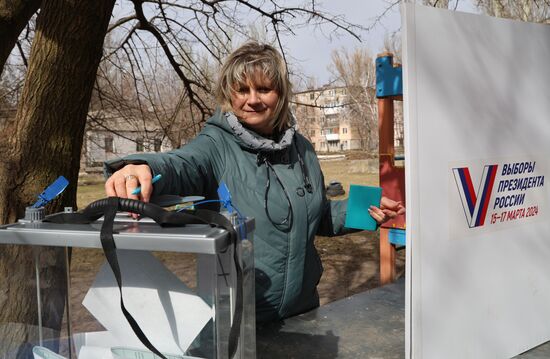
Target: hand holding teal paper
<point>367,208</point>
<point>361,198</point>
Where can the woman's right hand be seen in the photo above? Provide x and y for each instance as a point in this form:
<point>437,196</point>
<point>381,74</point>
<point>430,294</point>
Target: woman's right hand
<point>389,209</point>
<point>128,178</point>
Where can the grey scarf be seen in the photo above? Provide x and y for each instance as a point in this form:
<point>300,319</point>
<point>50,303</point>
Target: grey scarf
<point>257,142</point>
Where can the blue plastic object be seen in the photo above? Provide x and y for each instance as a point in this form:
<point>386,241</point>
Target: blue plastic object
<point>359,201</point>
<point>52,191</point>
<point>138,189</point>
<point>397,237</point>
<point>225,197</point>
<point>389,79</point>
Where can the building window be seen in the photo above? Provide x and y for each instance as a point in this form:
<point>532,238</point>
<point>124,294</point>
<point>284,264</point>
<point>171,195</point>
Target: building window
<point>344,130</point>
<point>157,144</point>
<point>139,144</point>
<point>312,96</point>
<point>108,144</point>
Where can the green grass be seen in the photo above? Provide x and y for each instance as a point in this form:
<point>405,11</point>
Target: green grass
<point>87,193</point>
<point>348,172</point>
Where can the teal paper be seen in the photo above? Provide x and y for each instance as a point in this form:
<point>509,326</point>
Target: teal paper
<point>359,201</point>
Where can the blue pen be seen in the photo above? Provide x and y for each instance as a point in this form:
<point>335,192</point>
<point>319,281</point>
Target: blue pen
<point>155,179</point>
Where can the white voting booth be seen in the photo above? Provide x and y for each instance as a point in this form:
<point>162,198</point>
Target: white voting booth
<point>477,130</point>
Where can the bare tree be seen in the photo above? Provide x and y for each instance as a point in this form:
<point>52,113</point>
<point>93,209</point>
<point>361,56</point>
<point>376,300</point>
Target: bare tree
<point>149,100</point>
<point>356,72</point>
<point>191,40</point>
<point>185,32</point>
<point>526,10</point>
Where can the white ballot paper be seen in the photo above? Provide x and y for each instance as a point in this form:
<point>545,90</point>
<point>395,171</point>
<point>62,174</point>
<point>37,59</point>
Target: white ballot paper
<point>168,312</point>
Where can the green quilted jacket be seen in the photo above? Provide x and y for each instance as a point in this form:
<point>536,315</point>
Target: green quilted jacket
<point>288,267</point>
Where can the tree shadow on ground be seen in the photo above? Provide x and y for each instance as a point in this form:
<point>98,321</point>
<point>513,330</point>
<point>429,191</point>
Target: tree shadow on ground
<point>352,264</point>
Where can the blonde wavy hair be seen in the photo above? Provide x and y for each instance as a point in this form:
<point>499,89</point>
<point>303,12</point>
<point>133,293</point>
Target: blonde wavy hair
<point>247,63</point>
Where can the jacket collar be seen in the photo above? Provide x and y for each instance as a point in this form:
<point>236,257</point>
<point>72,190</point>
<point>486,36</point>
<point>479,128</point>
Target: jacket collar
<point>254,141</point>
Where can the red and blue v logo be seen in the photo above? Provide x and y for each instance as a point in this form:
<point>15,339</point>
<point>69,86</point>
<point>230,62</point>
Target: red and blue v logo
<point>475,205</point>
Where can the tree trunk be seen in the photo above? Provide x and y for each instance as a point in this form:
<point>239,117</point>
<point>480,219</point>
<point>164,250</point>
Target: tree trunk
<point>14,16</point>
<point>45,142</point>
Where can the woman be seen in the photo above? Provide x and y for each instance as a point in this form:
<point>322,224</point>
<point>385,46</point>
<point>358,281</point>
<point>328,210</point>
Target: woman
<point>272,172</point>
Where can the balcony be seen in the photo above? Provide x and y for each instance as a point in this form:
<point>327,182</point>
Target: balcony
<point>332,137</point>
<point>332,111</point>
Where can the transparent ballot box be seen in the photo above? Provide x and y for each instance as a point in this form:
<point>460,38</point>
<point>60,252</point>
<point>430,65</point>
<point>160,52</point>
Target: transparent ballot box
<point>60,299</point>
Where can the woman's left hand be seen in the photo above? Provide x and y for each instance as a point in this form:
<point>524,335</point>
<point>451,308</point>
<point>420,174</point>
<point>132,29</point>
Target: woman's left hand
<point>389,209</point>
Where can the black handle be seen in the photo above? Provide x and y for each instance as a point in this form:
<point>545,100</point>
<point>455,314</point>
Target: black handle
<point>158,214</point>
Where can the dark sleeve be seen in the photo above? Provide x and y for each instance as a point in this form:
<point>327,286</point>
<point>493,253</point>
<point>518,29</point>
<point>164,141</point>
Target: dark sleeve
<point>333,216</point>
<point>333,219</point>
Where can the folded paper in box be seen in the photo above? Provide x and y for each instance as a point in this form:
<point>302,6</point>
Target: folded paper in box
<point>170,314</point>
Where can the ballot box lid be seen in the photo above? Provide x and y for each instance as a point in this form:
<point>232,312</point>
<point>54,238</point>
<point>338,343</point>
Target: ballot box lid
<point>128,234</point>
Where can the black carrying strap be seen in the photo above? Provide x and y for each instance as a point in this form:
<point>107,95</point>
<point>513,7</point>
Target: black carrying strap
<point>108,207</point>
<point>109,248</point>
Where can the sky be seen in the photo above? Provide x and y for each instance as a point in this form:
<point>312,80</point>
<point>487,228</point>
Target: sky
<point>312,49</point>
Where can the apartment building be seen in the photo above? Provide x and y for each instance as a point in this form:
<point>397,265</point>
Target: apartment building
<point>323,118</point>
